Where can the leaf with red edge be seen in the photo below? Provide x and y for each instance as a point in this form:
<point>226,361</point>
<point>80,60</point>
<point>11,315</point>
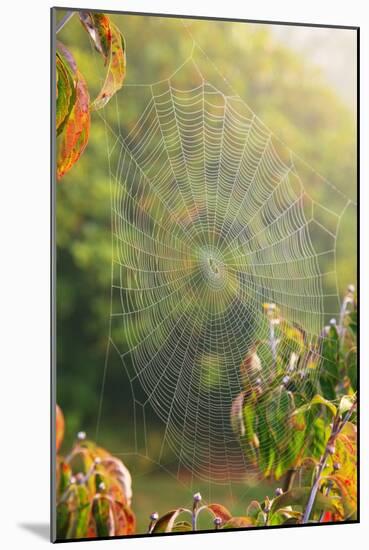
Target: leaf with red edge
<point>348,491</point>
<point>120,474</point>
<point>116,71</point>
<point>64,473</point>
<point>125,521</point>
<point>219,511</point>
<point>76,132</point>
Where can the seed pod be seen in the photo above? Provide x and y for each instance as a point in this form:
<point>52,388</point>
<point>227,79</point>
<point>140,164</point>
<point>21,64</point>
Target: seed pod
<point>217,522</point>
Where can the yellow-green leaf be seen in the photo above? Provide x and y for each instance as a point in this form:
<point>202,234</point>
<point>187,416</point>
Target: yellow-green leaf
<point>165,524</point>
<point>317,400</point>
<point>299,497</point>
<point>346,404</point>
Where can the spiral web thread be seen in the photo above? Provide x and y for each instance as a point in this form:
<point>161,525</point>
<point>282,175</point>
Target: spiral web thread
<point>211,217</point>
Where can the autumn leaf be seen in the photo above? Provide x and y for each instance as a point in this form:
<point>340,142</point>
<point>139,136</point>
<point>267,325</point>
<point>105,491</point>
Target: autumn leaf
<point>219,511</point>
<point>76,132</point>
<point>116,71</point>
<point>125,521</point>
<point>65,92</point>
<point>98,27</point>
<point>108,41</point>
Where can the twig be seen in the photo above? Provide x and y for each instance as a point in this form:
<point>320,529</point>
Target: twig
<point>64,21</point>
<point>336,429</point>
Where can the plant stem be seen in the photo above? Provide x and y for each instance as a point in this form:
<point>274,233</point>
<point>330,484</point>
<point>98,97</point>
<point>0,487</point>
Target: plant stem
<point>314,488</point>
<point>337,428</point>
<point>64,21</point>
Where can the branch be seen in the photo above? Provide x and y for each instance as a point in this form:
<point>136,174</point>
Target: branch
<point>337,428</point>
<point>64,21</point>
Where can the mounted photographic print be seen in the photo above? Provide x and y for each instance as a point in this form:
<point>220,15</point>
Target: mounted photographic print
<point>204,275</point>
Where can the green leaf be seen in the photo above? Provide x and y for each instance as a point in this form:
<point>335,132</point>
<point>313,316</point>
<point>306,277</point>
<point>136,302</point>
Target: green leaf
<point>182,526</point>
<point>351,367</point>
<point>330,364</point>
<point>317,400</point>
<point>276,432</point>
<point>63,516</point>
<point>103,515</point>
<point>81,513</point>
<point>317,434</point>
<point>352,322</point>
<point>299,497</point>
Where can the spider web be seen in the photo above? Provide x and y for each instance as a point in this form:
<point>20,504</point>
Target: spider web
<point>212,215</point>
